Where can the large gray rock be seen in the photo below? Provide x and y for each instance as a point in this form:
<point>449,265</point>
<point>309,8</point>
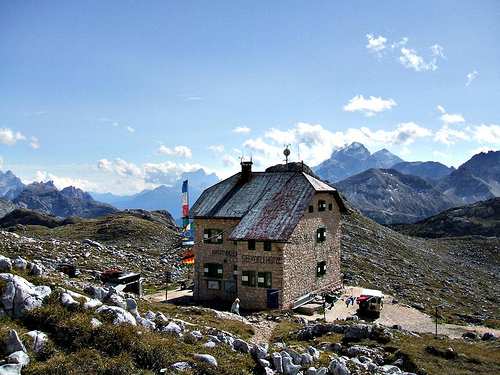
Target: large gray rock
<point>132,306</point>
<point>19,357</point>
<point>389,369</point>
<point>358,332</point>
<point>11,369</point>
<point>314,352</point>
<point>259,351</point>
<point>5,264</point>
<point>68,301</point>
<point>173,328</point>
<point>289,368</point>
<point>13,343</point>
<point>146,323</point>
<point>206,358</point>
<point>338,367</point>
<point>19,295</point>
<point>178,366</point>
<point>120,316</point>
<point>20,264</point>
<point>39,338</point>
<point>307,359</point>
<point>241,346</point>
<point>37,269</point>
<point>277,362</point>
<point>322,371</point>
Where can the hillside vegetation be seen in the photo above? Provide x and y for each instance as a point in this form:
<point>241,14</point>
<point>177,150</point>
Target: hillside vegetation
<point>481,219</point>
<point>459,274</point>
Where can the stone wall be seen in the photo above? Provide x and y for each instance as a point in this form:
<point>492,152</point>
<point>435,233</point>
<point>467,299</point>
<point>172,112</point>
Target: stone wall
<point>224,254</point>
<point>303,252</point>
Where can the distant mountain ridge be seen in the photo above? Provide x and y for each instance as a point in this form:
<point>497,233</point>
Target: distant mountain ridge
<point>396,195</point>
<point>429,170</point>
<point>70,201</point>
<point>388,196</point>
<point>353,159</point>
<point>475,180</point>
<point>10,185</point>
<point>163,197</point>
<point>481,218</point>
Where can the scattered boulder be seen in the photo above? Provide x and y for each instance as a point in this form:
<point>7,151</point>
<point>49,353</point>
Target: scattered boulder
<point>277,362</point>
<point>120,316</point>
<point>358,332</point>
<point>11,369</point>
<point>470,335</point>
<point>146,323</point>
<point>95,323</point>
<point>338,367</point>
<point>289,368</point>
<point>173,328</point>
<point>5,264</point>
<point>241,346</point>
<point>389,369</point>
<point>209,344</point>
<point>37,270</point>
<point>131,306</point>
<point>178,366</point>
<point>19,357</point>
<point>206,358</point>
<point>307,359</point>
<point>259,351</point>
<point>68,301</point>
<point>488,336</point>
<point>39,338</point>
<point>19,264</point>
<point>13,343</point>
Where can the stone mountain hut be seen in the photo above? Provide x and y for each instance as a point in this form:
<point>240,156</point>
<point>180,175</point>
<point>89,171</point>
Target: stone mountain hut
<point>270,238</point>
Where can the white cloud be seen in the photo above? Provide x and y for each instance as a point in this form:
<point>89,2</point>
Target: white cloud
<point>376,44</point>
<point>10,137</point>
<point>450,118</point>
<point>219,149</point>
<point>410,59</point>
<point>242,129</point>
<point>230,161</point>
<point>148,174</point>
<point>1,162</point>
<point>62,182</point>
<point>120,167</point>
<point>130,129</point>
<point>437,51</point>
<point>487,133</point>
<point>34,143</point>
<point>449,136</point>
<point>180,151</point>
<point>471,77</point>
<point>317,143</point>
<point>369,106</point>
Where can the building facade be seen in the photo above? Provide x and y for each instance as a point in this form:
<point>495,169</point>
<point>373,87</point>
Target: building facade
<point>269,238</point>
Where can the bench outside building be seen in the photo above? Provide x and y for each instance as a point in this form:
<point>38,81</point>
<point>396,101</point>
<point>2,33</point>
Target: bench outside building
<point>269,238</point>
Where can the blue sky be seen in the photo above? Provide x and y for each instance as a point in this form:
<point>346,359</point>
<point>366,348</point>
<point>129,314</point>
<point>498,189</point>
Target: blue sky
<point>123,95</point>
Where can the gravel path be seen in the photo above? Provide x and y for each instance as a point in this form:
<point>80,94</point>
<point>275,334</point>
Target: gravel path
<point>407,317</point>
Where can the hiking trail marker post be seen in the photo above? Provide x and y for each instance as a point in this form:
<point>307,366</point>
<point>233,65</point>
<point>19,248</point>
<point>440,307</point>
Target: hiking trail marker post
<point>168,280</point>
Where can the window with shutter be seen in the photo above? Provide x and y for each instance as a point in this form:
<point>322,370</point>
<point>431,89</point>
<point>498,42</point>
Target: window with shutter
<point>321,205</point>
<point>320,269</point>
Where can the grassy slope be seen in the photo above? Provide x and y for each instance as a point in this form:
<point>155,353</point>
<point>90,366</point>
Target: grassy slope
<point>459,273</point>
<point>78,348</point>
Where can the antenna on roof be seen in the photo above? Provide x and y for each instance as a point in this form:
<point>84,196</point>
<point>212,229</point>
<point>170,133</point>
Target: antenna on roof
<point>286,152</point>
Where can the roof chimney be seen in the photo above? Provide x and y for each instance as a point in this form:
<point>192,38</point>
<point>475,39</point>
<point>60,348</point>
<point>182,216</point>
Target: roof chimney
<point>246,170</point>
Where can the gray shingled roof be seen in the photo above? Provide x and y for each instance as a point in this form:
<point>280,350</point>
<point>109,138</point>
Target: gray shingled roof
<point>269,205</point>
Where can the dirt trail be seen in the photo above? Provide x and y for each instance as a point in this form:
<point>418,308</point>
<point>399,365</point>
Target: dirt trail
<point>407,317</point>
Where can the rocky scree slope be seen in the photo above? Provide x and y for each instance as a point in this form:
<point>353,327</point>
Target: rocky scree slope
<point>49,326</point>
<point>461,274</point>
<point>478,219</point>
<point>388,196</point>
<point>70,201</point>
<point>428,170</point>
<point>136,241</point>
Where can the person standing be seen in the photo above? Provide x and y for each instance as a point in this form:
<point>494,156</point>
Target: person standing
<point>235,307</point>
